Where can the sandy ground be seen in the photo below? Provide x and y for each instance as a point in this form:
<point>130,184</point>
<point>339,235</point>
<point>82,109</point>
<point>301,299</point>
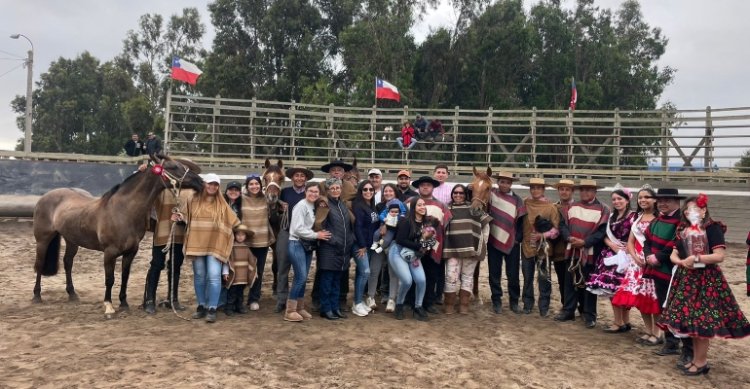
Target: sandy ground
<point>58,344</point>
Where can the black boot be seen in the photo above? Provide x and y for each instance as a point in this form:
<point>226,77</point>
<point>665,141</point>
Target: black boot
<point>173,290</point>
<point>149,294</point>
<point>211,315</point>
<point>399,312</point>
<point>420,313</point>
<point>239,307</point>
<point>200,312</point>
<point>231,301</point>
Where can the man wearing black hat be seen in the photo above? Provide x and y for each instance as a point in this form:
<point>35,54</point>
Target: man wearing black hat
<point>658,246</point>
<point>433,267</point>
<point>289,197</point>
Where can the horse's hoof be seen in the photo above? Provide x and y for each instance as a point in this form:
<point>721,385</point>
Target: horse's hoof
<point>124,308</point>
<point>73,298</point>
<point>37,300</point>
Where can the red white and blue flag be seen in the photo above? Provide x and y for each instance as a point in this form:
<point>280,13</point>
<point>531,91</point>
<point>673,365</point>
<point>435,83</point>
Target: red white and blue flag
<point>185,71</point>
<point>386,90</point>
<point>573,95</point>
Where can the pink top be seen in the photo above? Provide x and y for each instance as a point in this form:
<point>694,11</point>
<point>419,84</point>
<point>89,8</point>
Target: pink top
<point>443,193</point>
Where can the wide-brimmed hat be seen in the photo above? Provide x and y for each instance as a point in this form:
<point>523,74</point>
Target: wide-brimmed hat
<point>292,171</point>
<point>242,227</point>
<point>503,174</point>
<point>327,167</point>
<point>425,179</point>
<point>535,181</point>
<point>564,182</point>
<point>586,183</point>
<point>669,193</point>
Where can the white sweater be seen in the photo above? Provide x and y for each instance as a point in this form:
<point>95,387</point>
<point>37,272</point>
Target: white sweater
<point>303,218</point>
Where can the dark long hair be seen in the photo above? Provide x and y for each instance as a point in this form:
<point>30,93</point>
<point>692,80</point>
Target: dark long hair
<point>360,198</point>
<point>466,193</point>
<point>625,211</point>
<point>651,193</point>
<point>388,185</point>
<point>412,218</point>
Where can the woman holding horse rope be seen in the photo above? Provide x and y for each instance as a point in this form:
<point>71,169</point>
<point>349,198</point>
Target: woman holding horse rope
<point>208,243</point>
<point>255,215</point>
<point>300,255</point>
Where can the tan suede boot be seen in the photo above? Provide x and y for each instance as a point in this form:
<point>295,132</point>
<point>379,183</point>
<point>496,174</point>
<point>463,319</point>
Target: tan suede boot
<point>464,297</point>
<point>291,311</point>
<point>449,303</point>
<point>301,310</point>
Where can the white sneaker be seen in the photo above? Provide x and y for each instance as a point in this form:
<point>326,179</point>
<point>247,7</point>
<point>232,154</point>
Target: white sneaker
<point>365,307</point>
<point>254,306</point>
<point>391,306</point>
<point>374,246</point>
<point>379,250</point>
<point>359,310</point>
<point>370,302</point>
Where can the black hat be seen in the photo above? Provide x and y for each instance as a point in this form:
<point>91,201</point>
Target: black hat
<point>669,193</point>
<point>435,183</point>
<point>234,184</point>
<point>327,167</point>
<point>292,171</point>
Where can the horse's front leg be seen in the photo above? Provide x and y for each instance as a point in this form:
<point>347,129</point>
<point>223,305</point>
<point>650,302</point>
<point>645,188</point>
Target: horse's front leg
<point>70,252</point>
<point>127,260</point>
<point>109,280</point>
<point>37,289</point>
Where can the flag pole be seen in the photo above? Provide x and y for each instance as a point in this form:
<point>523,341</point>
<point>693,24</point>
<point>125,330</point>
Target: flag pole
<point>167,115</point>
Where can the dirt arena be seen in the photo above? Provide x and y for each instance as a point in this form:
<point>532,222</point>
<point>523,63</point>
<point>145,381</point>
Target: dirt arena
<point>59,344</point>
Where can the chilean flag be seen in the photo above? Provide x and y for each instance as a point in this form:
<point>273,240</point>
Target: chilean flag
<point>573,95</point>
<point>386,90</point>
<point>185,71</point>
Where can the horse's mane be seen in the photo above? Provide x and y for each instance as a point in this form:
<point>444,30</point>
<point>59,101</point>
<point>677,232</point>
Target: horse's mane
<point>108,195</point>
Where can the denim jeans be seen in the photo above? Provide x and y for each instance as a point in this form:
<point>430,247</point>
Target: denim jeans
<point>301,261</point>
<point>207,280</point>
<point>376,266</point>
<point>406,274</point>
<point>362,275</point>
<point>528,268</point>
<point>400,141</point>
<point>260,253</point>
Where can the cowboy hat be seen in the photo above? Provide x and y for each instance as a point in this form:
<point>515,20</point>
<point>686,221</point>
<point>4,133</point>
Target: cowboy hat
<point>564,182</point>
<point>586,183</point>
<point>292,171</point>
<point>327,167</point>
<point>506,175</point>
<point>669,193</point>
<point>242,227</point>
<point>425,179</point>
<point>535,181</point>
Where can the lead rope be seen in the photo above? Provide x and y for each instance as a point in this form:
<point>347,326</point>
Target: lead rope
<point>169,248</point>
<point>543,264</point>
<point>575,268</point>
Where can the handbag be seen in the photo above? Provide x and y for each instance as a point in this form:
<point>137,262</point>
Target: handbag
<point>309,245</point>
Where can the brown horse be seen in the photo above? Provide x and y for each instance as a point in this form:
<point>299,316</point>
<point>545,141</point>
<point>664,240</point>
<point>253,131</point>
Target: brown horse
<point>114,223</point>
<point>480,199</point>
<point>273,179</point>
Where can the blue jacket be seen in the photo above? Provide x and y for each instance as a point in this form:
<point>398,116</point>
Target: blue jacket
<point>365,224</point>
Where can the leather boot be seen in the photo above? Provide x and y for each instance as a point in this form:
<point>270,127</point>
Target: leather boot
<point>449,303</point>
<point>301,309</point>
<point>291,311</point>
<point>173,292</point>
<point>464,298</point>
<point>149,294</point>
<point>399,312</point>
<point>231,301</point>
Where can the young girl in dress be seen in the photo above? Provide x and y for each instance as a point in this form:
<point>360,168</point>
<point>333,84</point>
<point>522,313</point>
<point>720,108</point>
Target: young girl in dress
<point>636,291</point>
<point>701,304</point>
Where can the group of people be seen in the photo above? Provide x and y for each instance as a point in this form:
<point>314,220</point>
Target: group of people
<point>135,147</point>
<point>419,243</point>
<point>419,131</point>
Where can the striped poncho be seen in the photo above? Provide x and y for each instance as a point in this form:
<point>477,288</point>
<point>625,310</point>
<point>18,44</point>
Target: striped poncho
<point>255,216</point>
<point>463,235</point>
<point>584,219</point>
<point>506,209</point>
<point>660,240</point>
<point>205,236</point>
<point>163,207</point>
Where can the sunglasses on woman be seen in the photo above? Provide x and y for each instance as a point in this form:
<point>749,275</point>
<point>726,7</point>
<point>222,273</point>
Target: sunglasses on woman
<point>459,193</point>
<point>368,190</point>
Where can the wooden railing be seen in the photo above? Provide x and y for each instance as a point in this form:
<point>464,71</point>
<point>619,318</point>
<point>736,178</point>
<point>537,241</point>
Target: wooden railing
<point>689,140</point>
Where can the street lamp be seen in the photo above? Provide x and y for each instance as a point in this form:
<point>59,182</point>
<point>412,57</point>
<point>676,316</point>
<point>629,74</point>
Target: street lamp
<point>29,79</point>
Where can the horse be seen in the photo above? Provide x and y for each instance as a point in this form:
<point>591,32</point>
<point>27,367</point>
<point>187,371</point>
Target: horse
<point>273,178</point>
<point>115,223</point>
<point>480,199</point>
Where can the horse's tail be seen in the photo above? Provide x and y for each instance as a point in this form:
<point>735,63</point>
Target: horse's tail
<point>50,264</point>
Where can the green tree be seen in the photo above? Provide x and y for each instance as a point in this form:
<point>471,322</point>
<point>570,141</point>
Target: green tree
<point>743,165</point>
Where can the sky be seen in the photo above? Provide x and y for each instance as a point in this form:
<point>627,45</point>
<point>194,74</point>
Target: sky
<point>707,43</point>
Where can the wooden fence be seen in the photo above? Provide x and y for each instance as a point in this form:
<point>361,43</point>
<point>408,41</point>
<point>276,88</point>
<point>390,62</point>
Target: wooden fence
<point>689,140</point>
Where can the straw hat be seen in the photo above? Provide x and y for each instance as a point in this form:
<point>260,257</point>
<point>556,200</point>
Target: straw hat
<point>564,182</point>
<point>535,181</point>
<point>585,183</point>
<point>507,175</point>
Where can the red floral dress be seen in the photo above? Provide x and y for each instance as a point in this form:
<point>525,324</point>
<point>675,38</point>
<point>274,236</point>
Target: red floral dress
<point>636,291</point>
<point>701,303</point>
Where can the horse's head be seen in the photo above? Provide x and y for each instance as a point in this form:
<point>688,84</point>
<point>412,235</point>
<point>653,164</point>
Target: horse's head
<point>353,174</point>
<point>480,190</point>
<point>181,172</point>
<point>273,178</point>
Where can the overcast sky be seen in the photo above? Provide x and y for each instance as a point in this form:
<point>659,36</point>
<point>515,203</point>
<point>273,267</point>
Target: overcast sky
<point>707,43</point>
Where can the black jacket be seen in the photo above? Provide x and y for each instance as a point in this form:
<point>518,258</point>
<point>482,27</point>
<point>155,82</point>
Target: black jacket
<point>334,254</point>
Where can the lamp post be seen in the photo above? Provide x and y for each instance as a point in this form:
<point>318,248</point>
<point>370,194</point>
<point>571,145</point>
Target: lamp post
<point>29,79</point>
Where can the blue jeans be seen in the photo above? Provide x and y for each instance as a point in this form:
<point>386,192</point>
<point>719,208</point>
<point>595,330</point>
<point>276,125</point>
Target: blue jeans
<point>330,284</point>
<point>407,274</point>
<point>207,281</point>
<point>300,261</point>
<point>362,275</point>
<point>400,141</point>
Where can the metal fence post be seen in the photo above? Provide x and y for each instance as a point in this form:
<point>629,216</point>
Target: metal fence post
<point>456,114</point>
<point>216,112</point>
<point>332,130</point>
<point>253,114</point>
<point>292,125</point>
<point>616,146</point>
<point>532,127</point>
<point>373,123</point>
<point>708,144</point>
<point>569,127</point>
<point>489,136</point>
<point>664,141</point>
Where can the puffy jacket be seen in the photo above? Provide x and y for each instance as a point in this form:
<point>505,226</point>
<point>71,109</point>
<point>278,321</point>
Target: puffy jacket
<point>334,254</point>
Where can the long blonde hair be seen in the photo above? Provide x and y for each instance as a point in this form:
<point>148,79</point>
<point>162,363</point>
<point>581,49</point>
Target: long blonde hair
<point>218,208</point>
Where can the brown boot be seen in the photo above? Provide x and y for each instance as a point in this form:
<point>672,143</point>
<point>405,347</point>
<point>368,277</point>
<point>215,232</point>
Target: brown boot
<point>449,303</point>
<point>464,297</point>
<point>301,310</point>
<point>291,311</point>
